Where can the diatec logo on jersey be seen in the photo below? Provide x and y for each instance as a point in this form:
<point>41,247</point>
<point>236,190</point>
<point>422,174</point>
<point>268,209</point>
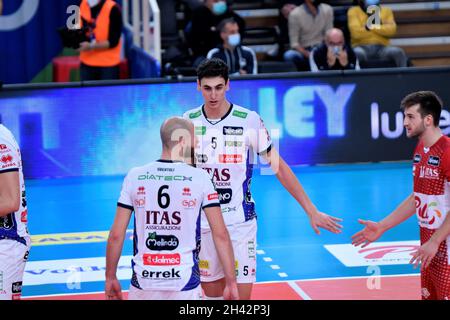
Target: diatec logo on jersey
<point>230,158</point>
<point>427,212</point>
<point>162,259</point>
<point>161,242</point>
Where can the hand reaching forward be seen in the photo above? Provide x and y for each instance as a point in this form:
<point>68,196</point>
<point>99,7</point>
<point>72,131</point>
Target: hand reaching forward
<point>370,233</point>
<point>322,220</point>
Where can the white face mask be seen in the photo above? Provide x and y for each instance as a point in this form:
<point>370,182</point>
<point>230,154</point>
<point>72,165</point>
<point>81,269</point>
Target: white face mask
<point>234,39</point>
<point>93,3</point>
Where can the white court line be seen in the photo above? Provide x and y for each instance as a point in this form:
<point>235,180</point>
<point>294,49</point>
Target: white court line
<point>299,290</point>
<point>291,283</point>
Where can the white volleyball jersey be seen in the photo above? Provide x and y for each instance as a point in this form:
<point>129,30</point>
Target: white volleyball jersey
<point>167,198</point>
<point>226,151</point>
<point>14,225</point>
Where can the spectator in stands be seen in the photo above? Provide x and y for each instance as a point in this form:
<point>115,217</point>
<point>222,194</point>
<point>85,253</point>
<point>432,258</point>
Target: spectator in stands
<point>286,7</point>
<point>202,34</point>
<point>240,59</point>
<point>370,34</point>
<point>333,54</point>
<point>307,26</point>
<point>100,57</point>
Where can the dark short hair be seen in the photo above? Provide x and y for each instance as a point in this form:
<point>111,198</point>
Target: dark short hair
<point>224,22</point>
<point>429,104</point>
<point>211,68</point>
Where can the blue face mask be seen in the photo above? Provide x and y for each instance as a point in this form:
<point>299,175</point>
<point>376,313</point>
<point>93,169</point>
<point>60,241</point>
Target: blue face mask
<point>234,39</point>
<point>372,2</point>
<point>219,8</point>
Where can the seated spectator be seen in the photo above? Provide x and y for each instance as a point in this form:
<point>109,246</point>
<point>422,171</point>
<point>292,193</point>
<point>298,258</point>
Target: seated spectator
<point>333,54</point>
<point>370,35</point>
<point>307,26</point>
<point>240,59</point>
<point>202,34</point>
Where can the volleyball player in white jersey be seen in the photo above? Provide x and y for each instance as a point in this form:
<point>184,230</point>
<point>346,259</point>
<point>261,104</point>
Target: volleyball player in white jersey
<point>229,134</point>
<point>167,197</point>
<point>14,236</point>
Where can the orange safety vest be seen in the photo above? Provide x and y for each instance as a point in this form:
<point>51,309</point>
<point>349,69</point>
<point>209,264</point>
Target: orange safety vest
<point>105,57</point>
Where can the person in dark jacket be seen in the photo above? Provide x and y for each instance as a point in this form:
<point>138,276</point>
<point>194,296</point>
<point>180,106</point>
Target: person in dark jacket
<point>240,59</point>
<point>333,54</point>
<point>202,34</point>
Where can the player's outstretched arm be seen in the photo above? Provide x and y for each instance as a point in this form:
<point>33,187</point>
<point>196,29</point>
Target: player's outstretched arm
<point>224,250</point>
<point>9,192</point>
<point>292,184</point>
<point>113,290</point>
<point>428,250</point>
<point>373,230</point>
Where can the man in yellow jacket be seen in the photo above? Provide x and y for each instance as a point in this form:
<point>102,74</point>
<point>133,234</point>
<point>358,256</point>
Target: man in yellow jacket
<point>371,27</point>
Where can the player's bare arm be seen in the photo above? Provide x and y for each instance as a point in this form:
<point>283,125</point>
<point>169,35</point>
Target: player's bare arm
<point>114,247</point>
<point>9,192</point>
<point>374,230</point>
<point>292,184</point>
<point>428,250</point>
<point>224,250</point>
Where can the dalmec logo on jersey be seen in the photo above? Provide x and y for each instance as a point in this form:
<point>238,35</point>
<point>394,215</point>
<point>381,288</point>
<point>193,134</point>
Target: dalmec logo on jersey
<point>230,158</point>
<point>162,259</point>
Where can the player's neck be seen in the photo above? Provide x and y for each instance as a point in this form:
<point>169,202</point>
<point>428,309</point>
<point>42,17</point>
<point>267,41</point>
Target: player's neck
<point>219,112</point>
<point>168,155</point>
<point>431,136</point>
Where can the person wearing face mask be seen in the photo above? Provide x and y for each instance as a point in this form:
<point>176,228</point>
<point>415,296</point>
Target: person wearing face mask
<point>371,27</point>
<point>333,54</point>
<point>307,25</point>
<point>202,34</point>
<point>100,57</point>
<point>240,59</point>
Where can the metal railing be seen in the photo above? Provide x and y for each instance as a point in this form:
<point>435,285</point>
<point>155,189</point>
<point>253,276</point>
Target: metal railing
<point>143,17</point>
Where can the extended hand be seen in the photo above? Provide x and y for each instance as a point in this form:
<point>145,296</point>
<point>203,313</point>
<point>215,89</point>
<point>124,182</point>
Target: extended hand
<point>370,233</point>
<point>425,254</point>
<point>322,220</point>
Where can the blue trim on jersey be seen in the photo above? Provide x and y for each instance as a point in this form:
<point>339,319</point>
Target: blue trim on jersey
<point>11,233</point>
<point>194,281</point>
<point>248,206</point>
<point>134,280</point>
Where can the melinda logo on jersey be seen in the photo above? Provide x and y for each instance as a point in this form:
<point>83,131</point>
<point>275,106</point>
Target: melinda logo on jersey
<point>161,242</point>
<point>428,213</point>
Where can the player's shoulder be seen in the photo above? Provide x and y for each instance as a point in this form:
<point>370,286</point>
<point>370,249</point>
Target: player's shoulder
<point>193,114</point>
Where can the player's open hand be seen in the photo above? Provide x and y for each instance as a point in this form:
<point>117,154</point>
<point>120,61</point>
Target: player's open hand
<point>370,233</point>
<point>113,290</point>
<point>425,254</point>
<point>322,220</point>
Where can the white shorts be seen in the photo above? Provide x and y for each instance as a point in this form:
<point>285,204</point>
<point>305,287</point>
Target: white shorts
<point>243,239</point>
<point>138,294</point>
<point>13,256</point>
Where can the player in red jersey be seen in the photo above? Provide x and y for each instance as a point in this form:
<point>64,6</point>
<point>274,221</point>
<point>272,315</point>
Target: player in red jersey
<point>430,199</point>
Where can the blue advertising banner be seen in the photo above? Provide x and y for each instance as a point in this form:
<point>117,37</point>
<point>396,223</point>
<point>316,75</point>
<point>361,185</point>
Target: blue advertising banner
<point>29,38</point>
<point>106,130</point>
